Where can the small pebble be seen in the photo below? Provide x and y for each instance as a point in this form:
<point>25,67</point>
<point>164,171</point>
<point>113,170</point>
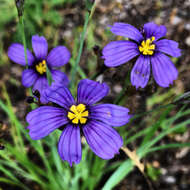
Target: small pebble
<point>176,20</point>
<point>187,26</point>
<point>117,88</point>
<point>187,40</point>
<point>67,34</point>
<point>104,20</point>
<point>163,171</point>
<point>100,78</point>
<point>169,179</point>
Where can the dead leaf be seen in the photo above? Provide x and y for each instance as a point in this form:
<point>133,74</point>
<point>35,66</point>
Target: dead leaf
<point>134,157</point>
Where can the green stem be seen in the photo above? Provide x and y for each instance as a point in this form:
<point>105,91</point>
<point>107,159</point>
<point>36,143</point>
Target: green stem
<point>75,67</point>
<point>88,16</point>
<point>79,70</point>
<point>93,8</point>
<point>21,20</point>
<point>24,39</point>
<point>49,77</point>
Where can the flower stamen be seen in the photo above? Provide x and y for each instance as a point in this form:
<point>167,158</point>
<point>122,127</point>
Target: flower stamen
<point>78,113</point>
<point>146,47</point>
<point>41,67</point>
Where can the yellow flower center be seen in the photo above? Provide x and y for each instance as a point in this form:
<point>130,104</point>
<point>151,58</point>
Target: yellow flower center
<point>41,67</point>
<point>146,47</point>
<point>78,113</point>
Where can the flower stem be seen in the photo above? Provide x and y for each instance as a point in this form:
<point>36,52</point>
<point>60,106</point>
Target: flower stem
<point>88,16</point>
<point>49,77</point>
<point>21,19</point>
<point>75,66</point>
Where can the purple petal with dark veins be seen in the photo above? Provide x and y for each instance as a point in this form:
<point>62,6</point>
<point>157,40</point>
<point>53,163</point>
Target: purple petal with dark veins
<point>163,69</point>
<point>141,72</point>
<point>119,52</point>
<point>29,76</point>
<point>152,29</point>
<point>69,146</point>
<point>110,114</point>
<point>126,30</point>
<point>169,47</point>
<point>40,47</point>
<point>58,56</point>
<point>104,141</point>
<point>44,120</point>
<point>90,92</point>
<point>60,77</point>
<point>16,54</point>
<point>60,95</point>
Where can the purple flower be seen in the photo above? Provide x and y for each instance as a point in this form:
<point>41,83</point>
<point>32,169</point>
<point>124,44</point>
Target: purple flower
<point>95,121</point>
<point>35,74</point>
<point>150,47</point>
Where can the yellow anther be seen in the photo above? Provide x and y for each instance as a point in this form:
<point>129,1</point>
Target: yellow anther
<point>78,113</point>
<point>41,67</point>
<point>146,47</point>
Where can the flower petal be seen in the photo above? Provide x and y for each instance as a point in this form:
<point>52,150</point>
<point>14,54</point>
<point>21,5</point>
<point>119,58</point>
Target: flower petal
<point>40,47</point>
<point>110,114</point>
<point>29,76</point>
<point>141,72</point>
<point>69,146</point>
<point>16,54</point>
<point>41,85</point>
<point>102,139</point>
<point>90,92</point>
<point>60,77</point>
<point>126,30</point>
<point>163,69</point>
<point>119,52</point>
<point>169,47</point>
<point>152,29</point>
<point>60,95</point>
<point>45,119</point>
<point>58,56</point>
